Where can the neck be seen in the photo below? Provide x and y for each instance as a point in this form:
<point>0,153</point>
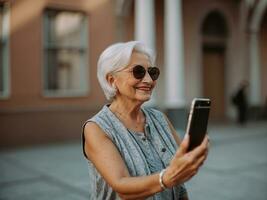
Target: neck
<point>127,109</point>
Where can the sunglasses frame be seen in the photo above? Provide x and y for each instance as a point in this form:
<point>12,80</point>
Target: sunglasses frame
<point>142,72</point>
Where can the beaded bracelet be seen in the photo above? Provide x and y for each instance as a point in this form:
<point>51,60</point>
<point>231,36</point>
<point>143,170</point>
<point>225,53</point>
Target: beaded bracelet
<point>161,179</point>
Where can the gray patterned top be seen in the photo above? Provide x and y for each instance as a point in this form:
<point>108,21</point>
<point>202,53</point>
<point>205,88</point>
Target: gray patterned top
<point>143,153</point>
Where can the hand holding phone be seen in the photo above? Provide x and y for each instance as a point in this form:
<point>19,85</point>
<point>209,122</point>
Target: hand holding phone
<point>198,121</point>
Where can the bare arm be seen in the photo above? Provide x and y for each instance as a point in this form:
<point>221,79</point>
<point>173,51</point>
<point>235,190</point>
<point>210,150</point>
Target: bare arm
<point>106,158</point>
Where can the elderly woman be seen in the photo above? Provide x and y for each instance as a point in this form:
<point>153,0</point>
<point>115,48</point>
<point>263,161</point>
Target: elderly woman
<point>133,151</point>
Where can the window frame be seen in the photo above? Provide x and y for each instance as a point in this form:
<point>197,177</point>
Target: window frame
<point>85,87</point>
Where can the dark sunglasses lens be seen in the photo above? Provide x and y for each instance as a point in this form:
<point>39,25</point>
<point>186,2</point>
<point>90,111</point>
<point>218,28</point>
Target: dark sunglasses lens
<point>139,72</point>
<point>154,73</point>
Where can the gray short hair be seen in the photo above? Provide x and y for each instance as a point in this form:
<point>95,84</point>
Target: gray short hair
<point>116,57</point>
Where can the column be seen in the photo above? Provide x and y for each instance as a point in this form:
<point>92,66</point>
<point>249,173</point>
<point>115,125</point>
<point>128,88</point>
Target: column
<point>174,63</point>
<point>145,30</point>
<point>174,55</point>
<point>145,22</point>
<point>254,75</point>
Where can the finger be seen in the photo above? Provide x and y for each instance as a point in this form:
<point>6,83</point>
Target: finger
<point>206,142</point>
<point>201,160</point>
<point>183,146</point>
<point>191,174</point>
<point>201,149</point>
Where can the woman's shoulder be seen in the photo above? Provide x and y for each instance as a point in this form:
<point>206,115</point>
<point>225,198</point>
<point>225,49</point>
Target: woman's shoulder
<point>100,122</point>
<point>92,129</point>
<point>94,124</point>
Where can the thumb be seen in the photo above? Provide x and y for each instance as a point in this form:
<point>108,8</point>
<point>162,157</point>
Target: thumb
<point>183,146</point>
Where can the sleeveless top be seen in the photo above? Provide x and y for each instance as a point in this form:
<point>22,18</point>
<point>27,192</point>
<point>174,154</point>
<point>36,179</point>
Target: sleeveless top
<point>143,153</point>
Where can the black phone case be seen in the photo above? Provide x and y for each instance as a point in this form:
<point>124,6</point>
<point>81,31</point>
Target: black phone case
<point>198,124</point>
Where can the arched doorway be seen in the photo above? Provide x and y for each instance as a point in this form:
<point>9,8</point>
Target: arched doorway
<point>214,38</point>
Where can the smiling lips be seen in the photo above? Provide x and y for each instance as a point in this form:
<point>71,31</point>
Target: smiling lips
<point>144,88</point>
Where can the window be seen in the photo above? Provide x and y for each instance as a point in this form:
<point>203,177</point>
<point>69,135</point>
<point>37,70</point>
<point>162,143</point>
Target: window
<point>4,51</point>
<point>65,53</point>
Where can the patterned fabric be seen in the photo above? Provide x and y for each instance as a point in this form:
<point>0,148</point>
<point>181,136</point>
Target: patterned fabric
<point>143,153</point>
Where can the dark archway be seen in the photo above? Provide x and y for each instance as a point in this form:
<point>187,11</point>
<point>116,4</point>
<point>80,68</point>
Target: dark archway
<point>214,33</point>
<point>214,25</point>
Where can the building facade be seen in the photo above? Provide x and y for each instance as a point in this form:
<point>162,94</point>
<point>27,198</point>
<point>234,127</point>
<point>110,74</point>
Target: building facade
<point>50,48</point>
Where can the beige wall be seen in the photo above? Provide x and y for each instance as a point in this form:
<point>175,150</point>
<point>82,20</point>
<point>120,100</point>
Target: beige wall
<point>27,116</point>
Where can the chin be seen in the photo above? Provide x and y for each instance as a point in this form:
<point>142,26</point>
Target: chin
<point>144,98</point>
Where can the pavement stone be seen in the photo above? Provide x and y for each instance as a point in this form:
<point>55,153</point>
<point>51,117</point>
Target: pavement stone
<point>236,168</point>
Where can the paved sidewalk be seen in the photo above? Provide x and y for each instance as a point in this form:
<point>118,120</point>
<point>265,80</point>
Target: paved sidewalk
<point>236,169</point>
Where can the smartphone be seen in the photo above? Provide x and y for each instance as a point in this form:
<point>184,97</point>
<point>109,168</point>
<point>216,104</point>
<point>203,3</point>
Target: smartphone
<point>198,121</point>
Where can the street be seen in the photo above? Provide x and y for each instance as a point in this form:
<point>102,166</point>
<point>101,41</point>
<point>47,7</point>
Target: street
<point>236,169</point>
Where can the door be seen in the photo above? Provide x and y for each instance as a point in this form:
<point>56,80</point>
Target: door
<point>213,80</point>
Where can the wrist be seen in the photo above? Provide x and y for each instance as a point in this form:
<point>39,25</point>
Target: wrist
<point>167,177</point>
<point>161,182</point>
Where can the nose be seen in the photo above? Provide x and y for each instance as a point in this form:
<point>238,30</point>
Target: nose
<point>147,78</point>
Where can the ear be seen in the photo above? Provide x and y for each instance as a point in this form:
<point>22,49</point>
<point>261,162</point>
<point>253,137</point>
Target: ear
<point>111,80</point>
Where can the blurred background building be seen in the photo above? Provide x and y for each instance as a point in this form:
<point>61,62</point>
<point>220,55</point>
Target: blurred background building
<point>49,51</point>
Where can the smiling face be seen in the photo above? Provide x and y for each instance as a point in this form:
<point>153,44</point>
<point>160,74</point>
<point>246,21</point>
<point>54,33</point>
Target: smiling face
<point>130,87</point>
